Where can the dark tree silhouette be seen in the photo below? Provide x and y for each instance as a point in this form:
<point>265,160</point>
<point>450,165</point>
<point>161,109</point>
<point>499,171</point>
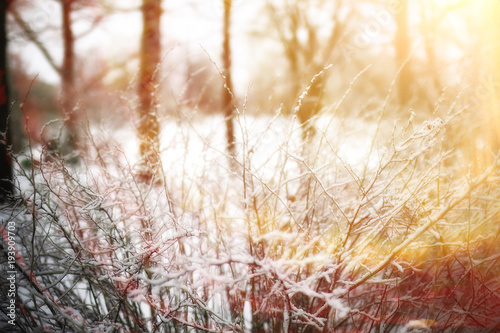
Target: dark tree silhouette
<point>148,80</point>
<point>6,186</point>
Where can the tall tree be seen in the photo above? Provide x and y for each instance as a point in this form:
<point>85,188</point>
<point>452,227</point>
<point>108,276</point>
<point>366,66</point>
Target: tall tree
<point>68,65</point>
<point>6,177</point>
<point>430,20</point>
<point>69,142</point>
<point>227,97</point>
<point>402,48</point>
<point>148,81</point>
<point>66,69</point>
<point>306,51</point>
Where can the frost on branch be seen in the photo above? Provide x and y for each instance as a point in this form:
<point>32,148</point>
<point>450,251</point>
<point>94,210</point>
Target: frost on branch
<point>292,242</point>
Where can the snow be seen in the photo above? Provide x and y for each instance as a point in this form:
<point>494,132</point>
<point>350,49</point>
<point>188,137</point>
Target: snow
<point>294,228</point>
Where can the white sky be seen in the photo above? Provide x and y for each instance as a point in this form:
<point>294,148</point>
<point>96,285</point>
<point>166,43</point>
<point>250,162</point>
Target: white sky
<point>186,25</point>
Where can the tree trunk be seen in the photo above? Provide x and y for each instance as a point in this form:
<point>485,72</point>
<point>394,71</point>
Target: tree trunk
<point>429,33</point>
<point>227,97</point>
<point>6,177</point>
<point>68,92</point>
<point>148,80</point>
<point>402,48</point>
<point>67,70</point>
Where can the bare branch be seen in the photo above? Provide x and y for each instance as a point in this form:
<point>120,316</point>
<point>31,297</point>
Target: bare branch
<point>31,35</point>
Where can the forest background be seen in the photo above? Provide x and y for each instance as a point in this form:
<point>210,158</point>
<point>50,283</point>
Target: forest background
<point>250,166</point>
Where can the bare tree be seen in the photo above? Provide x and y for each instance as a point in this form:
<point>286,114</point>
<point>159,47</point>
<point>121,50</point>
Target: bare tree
<point>402,48</point>
<point>68,68</point>
<point>148,80</point>
<point>306,52</point>
<point>227,93</point>
<point>6,187</point>
<point>431,18</point>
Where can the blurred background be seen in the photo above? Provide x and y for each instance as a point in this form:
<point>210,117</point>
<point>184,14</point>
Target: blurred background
<point>421,57</point>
